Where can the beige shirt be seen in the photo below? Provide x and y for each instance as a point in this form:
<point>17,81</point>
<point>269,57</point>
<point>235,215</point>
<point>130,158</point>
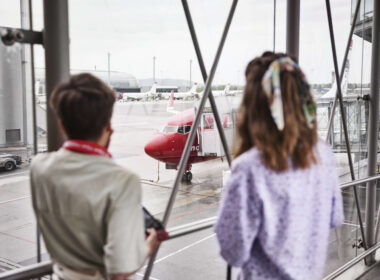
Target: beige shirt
<point>89,211</point>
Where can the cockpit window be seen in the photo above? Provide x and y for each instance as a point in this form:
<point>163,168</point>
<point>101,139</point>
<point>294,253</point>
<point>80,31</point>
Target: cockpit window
<point>168,129</point>
<point>181,130</point>
<point>184,129</point>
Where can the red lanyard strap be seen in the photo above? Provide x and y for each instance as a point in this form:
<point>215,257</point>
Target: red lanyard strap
<point>86,147</point>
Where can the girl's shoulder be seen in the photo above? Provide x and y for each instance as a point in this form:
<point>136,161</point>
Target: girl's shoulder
<point>247,160</point>
<point>324,152</point>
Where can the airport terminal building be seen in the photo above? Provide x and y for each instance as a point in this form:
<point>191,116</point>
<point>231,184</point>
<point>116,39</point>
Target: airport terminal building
<point>16,126</point>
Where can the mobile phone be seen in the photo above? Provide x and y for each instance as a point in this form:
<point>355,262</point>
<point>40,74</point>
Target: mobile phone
<point>152,222</point>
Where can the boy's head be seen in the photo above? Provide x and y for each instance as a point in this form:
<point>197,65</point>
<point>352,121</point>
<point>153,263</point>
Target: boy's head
<point>84,106</point>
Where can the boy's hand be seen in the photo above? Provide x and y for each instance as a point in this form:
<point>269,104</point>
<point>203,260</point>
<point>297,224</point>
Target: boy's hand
<point>152,241</point>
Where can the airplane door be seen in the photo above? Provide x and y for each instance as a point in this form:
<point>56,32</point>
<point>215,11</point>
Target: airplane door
<point>228,128</point>
<point>211,145</point>
<point>209,135</point>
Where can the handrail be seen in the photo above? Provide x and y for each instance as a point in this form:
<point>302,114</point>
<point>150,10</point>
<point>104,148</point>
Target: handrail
<point>352,262</point>
<point>191,227</point>
<point>360,181</point>
<point>28,272</point>
<point>45,268</point>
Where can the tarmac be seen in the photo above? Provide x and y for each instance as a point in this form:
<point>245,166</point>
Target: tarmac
<point>195,256</point>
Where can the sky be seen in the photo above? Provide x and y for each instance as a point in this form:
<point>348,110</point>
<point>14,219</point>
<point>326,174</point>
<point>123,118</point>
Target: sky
<point>135,31</point>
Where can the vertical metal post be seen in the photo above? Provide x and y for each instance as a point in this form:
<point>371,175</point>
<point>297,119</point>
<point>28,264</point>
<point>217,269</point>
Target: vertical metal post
<point>373,128</point>
<point>24,24</point>
<point>193,132</point>
<point>34,115</point>
<point>343,118</point>
<point>57,59</point>
<point>293,28</point>
<point>34,99</point>
<point>274,25</point>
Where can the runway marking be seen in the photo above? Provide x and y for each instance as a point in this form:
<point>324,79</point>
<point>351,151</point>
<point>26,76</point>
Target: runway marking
<point>184,248</point>
<point>350,223</point>
<point>19,238</point>
<point>194,211</point>
<point>13,174</point>
<point>15,199</point>
<point>146,182</point>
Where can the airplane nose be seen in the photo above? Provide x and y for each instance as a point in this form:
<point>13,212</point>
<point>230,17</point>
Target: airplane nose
<point>155,147</point>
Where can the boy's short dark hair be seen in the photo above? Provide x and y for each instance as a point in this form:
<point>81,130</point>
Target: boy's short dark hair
<point>84,105</point>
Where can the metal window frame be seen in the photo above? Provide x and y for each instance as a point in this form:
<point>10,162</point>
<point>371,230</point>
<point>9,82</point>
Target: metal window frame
<point>293,27</point>
<point>56,40</point>
<point>373,129</point>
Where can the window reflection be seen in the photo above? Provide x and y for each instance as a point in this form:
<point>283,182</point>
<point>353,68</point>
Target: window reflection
<point>170,129</point>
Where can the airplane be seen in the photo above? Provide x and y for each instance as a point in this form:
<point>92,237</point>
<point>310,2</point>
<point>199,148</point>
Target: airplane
<point>137,96</point>
<point>188,94</point>
<point>230,92</point>
<point>225,92</point>
<point>167,145</point>
<point>344,82</point>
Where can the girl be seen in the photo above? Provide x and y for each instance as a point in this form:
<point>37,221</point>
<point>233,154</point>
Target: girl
<point>282,197</point>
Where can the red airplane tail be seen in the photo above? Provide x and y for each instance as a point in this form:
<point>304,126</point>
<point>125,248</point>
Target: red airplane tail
<point>171,99</point>
<point>170,107</point>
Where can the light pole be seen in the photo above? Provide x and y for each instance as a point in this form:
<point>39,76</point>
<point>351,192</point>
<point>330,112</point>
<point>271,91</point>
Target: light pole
<point>154,69</point>
<point>109,69</point>
<point>191,61</point>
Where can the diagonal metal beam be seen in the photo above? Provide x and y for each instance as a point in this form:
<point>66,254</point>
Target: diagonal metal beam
<point>193,131</point>
<point>357,9</point>
<point>343,115</point>
<point>204,76</point>
<point>211,96</point>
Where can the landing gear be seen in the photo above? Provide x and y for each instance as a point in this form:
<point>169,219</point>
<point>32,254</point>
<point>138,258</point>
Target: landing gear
<point>187,176</point>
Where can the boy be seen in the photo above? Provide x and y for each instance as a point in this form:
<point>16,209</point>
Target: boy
<point>88,207</point>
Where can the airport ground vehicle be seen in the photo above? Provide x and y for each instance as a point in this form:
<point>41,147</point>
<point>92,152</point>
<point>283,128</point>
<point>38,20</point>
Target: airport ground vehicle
<point>9,162</point>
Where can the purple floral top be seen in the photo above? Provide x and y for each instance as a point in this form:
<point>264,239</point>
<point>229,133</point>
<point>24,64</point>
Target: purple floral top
<point>275,225</point>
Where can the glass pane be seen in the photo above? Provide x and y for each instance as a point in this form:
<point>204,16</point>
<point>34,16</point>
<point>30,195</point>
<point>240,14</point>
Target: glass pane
<point>143,50</point>
<point>10,13</point>
<point>18,227</point>
<point>345,241</point>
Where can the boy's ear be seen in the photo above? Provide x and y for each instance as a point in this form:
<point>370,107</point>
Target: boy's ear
<point>61,128</point>
<point>109,126</point>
